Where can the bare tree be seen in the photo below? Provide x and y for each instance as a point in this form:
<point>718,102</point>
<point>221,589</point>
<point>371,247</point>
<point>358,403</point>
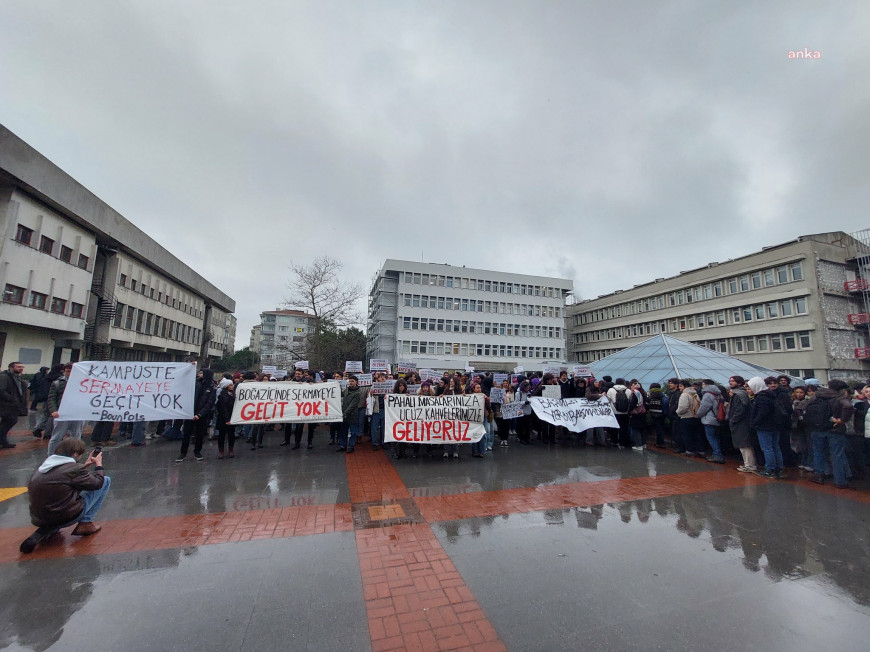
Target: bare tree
<point>319,290</point>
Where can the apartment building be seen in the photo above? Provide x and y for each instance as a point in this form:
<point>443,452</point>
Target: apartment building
<point>444,317</point>
<point>280,337</point>
<point>800,307</point>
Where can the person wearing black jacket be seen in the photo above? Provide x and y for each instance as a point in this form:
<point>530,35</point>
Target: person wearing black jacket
<point>13,400</point>
<point>673,404</point>
<point>203,408</point>
<point>39,386</point>
<point>225,403</point>
<point>767,424</point>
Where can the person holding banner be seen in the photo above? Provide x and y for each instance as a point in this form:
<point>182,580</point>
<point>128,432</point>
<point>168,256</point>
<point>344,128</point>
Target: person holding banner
<point>401,387</point>
<point>377,421</point>
<point>61,429</point>
<point>479,447</point>
<point>225,403</point>
<point>454,388</point>
<point>203,407</point>
<point>523,425</point>
<point>350,402</point>
<point>500,425</point>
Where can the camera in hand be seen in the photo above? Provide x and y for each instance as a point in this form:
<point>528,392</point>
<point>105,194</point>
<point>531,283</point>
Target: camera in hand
<point>97,451</point>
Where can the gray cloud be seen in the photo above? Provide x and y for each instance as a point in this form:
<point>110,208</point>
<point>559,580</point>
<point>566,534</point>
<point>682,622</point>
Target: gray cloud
<point>612,143</point>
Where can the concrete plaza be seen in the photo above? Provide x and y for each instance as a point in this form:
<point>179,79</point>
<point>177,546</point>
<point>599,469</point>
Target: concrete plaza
<point>538,547</point>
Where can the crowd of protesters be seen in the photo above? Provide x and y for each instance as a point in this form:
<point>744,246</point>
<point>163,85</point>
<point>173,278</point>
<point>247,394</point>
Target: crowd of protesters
<point>818,430</point>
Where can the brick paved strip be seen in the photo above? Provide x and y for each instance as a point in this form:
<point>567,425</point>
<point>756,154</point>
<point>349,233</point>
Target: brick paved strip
<point>415,598</point>
<point>127,535</point>
<point>577,494</point>
<point>372,478</point>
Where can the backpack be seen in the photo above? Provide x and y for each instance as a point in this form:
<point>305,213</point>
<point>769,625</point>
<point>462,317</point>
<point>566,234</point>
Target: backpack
<point>720,411</point>
<point>620,404</point>
<point>817,414</point>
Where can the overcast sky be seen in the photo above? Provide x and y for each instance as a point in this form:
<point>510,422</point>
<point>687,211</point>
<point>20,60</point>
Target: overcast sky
<point>608,142</point>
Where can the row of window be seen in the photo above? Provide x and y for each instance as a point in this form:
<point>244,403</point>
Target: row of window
<point>141,321</point>
<point>480,327</point>
<point>478,350</point>
<point>474,305</point>
<point>481,285</point>
<point>745,283</point>
<point>24,235</point>
<point>755,312</point>
<point>157,295</point>
<point>790,341</point>
<point>40,301</point>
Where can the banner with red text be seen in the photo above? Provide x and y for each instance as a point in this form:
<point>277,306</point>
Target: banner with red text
<point>128,391</point>
<point>287,403</point>
<point>434,419</point>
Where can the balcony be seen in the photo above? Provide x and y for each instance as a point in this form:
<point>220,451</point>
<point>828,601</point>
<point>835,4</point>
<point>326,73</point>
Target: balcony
<point>857,285</point>
<point>859,318</point>
<point>862,354</point>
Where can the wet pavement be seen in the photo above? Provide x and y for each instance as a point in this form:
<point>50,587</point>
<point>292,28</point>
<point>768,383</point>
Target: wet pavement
<point>531,548</point>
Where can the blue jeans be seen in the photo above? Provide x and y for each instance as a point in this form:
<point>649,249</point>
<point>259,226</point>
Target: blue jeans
<point>138,436</point>
<point>712,433</point>
<point>352,433</point>
<point>836,443</point>
<point>376,427</point>
<point>94,500</point>
<point>636,437</point>
<point>769,442</point>
<point>488,438</point>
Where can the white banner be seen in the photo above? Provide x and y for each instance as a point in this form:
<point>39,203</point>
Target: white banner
<point>128,391</point>
<point>511,410</point>
<point>382,388</point>
<point>364,380</point>
<point>496,395</point>
<point>518,370</point>
<point>301,364</point>
<point>576,414</point>
<point>379,364</point>
<point>287,402</point>
<point>434,419</point>
<point>353,366</point>
<point>578,370</point>
<point>405,367</point>
<point>552,369</point>
<point>551,391</point>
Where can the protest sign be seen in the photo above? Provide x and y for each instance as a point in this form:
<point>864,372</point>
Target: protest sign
<point>552,369</point>
<point>280,373</point>
<point>449,419</point>
<point>498,379</point>
<point>469,370</point>
<point>429,374</point>
<point>576,414</point>
<point>512,410</point>
<point>382,388</point>
<point>353,366</point>
<point>413,389</point>
<point>516,379</point>
<point>579,370</point>
<point>379,364</point>
<point>301,364</point>
<point>405,367</point>
<point>551,391</point>
<point>128,391</point>
<point>518,370</point>
<point>342,383</point>
<point>287,403</point>
<point>365,380</point>
<point>496,395</point>
<point>269,369</point>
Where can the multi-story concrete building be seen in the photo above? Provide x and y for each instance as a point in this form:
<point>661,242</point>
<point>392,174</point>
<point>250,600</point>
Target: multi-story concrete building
<point>798,307</point>
<point>280,337</point>
<point>443,317</point>
<point>82,282</point>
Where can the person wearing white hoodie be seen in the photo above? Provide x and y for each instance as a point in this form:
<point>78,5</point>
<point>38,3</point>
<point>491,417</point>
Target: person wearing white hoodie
<point>63,492</point>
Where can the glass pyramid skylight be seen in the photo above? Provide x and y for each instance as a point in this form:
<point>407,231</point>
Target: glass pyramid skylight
<point>662,357</point>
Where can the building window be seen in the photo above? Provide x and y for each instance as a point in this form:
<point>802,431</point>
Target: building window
<point>58,305</point>
<point>800,306</point>
<point>13,294</point>
<point>762,343</point>
<point>747,313</point>
<point>782,274</point>
<point>804,338</point>
<point>65,253</point>
<point>119,315</point>
<point>128,322</point>
<point>785,308</point>
<point>732,286</point>
<point>790,341</point>
<point>744,284</point>
<point>23,234</point>
<point>76,310</point>
<point>738,345</point>
<point>38,300</point>
<point>759,311</point>
<point>83,261</point>
<point>750,344</point>
<point>776,343</point>
<point>768,278</point>
<point>773,310</point>
<point>46,245</point>
<point>756,280</point>
<point>797,272</point>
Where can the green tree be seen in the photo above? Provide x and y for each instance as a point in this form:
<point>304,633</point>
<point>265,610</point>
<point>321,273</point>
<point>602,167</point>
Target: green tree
<point>241,360</point>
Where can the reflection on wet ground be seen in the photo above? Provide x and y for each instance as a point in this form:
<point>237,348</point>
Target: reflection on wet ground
<point>532,548</point>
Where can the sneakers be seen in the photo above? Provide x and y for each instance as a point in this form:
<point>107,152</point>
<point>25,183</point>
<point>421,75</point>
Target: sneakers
<point>375,447</point>
<point>637,448</point>
<point>780,474</point>
<point>310,446</point>
<point>446,455</point>
<point>746,469</point>
<point>764,473</point>
<point>349,450</point>
<point>818,478</point>
<point>455,456</point>
<point>716,460</point>
<point>198,458</point>
<point>489,448</point>
<point>178,460</point>
<point>341,449</point>
<point>504,443</point>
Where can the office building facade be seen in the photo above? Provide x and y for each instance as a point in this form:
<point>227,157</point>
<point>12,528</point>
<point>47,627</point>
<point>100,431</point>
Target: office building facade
<point>799,307</point>
<point>445,318</point>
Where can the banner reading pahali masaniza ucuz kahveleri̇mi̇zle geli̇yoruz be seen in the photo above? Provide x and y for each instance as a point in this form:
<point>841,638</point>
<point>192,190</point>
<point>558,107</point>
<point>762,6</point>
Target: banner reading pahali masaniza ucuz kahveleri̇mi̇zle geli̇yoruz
<point>445,419</point>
